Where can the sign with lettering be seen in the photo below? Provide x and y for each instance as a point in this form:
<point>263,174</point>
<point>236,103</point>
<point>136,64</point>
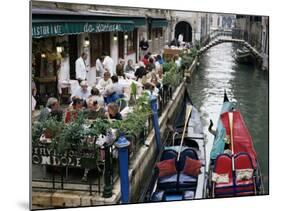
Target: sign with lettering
<point>42,155</point>
<point>102,27</point>
<point>44,30</point>
<point>52,29</point>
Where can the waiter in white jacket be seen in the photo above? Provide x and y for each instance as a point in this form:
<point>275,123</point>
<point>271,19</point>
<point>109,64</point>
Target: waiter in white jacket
<point>81,67</point>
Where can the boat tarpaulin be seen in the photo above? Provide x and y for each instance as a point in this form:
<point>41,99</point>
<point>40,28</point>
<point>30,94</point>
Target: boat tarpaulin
<point>242,140</point>
<point>219,141</point>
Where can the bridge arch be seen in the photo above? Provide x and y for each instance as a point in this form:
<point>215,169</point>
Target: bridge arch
<point>229,40</point>
<point>184,28</point>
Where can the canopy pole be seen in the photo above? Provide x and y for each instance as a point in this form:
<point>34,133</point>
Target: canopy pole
<point>187,115</point>
<point>230,119</point>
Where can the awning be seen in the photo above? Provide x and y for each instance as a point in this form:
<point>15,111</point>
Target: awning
<point>54,22</point>
<point>159,23</point>
<point>45,28</point>
<point>138,22</point>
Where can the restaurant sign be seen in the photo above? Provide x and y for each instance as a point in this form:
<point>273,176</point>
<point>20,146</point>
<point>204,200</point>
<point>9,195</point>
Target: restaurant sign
<point>55,28</point>
<point>42,155</point>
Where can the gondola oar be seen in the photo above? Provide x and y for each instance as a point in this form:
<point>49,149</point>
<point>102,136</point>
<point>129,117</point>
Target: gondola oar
<point>230,119</point>
<point>187,115</point>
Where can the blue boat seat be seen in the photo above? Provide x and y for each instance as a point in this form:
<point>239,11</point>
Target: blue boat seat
<point>169,154</point>
<point>191,153</point>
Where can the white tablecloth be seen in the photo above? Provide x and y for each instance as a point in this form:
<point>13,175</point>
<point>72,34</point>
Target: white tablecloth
<point>72,84</point>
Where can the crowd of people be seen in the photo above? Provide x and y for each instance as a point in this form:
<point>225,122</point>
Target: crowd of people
<point>102,99</point>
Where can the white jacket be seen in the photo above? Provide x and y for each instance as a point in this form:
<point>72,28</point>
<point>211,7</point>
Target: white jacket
<point>108,63</point>
<point>80,69</point>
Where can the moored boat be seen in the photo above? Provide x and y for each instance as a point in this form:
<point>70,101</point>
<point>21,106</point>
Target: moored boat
<point>244,56</point>
<point>180,171</point>
<point>234,168</point>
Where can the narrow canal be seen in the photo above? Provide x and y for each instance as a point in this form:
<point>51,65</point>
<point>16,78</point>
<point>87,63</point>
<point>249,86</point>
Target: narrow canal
<point>245,84</point>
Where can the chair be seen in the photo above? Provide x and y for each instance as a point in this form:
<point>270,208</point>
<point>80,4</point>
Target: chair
<point>246,184</point>
<point>168,182</point>
<point>186,182</point>
<point>223,168</point>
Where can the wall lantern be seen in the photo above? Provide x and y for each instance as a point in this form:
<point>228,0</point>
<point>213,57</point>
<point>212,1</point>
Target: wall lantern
<point>86,42</point>
<point>43,55</point>
<point>126,36</point>
<point>115,37</point>
<point>59,48</point>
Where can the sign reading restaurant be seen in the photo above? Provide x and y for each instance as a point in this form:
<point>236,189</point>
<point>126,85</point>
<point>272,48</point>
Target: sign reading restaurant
<point>47,30</point>
<point>52,29</point>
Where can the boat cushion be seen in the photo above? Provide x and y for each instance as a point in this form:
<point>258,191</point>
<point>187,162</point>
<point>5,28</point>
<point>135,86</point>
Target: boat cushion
<point>192,167</point>
<point>244,174</point>
<point>167,167</point>
<point>220,178</point>
<point>191,153</point>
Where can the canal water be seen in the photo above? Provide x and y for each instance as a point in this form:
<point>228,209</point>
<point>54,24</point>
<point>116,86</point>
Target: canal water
<point>245,84</point>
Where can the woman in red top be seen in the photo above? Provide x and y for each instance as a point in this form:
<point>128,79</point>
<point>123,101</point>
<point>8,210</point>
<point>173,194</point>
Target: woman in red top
<point>145,60</point>
<point>72,113</point>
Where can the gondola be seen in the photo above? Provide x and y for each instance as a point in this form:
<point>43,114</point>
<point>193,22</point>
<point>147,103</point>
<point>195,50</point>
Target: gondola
<point>234,168</point>
<point>244,56</point>
<point>180,173</point>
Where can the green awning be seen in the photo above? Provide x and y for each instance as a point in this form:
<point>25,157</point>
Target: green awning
<point>159,23</point>
<point>46,28</point>
<point>139,22</point>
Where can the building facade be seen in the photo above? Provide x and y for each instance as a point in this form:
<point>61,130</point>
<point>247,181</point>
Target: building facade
<point>61,32</point>
<point>255,30</point>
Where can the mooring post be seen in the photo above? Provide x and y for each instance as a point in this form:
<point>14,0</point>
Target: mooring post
<point>153,101</point>
<point>122,144</point>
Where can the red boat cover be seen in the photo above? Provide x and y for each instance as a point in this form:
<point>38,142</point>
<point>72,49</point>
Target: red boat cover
<point>241,137</point>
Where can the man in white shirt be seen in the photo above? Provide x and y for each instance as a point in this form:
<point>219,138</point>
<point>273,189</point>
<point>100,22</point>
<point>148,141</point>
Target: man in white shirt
<point>82,91</point>
<point>99,67</point>
<point>108,64</point>
<point>81,67</point>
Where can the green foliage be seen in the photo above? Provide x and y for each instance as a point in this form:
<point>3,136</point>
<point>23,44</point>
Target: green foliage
<point>186,61</point>
<point>168,66</point>
<point>37,130</point>
<point>135,121</point>
<point>134,89</point>
<point>53,127</point>
<point>71,136</point>
<point>100,126</point>
<point>171,77</point>
<point>193,52</point>
<point>197,45</point>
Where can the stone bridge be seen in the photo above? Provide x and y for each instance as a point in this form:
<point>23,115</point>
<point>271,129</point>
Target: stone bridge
<point>220,36</point>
